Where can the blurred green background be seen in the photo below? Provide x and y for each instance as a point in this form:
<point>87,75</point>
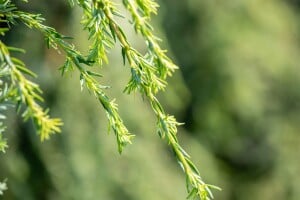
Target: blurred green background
<point>238,92</point>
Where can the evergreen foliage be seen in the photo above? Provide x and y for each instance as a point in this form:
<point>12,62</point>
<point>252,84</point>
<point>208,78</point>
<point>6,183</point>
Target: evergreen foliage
<point>148,74</point>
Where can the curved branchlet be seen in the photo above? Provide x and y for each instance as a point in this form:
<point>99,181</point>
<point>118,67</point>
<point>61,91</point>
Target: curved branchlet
<point>148,73</point>
<point>27,93</point>
<point>115,121</point>
<point>94,22</point>
<point>140,11</point>
<point>17,89</point>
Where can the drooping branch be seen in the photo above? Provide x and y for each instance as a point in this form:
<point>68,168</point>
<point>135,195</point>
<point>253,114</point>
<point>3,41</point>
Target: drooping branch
<point>148,74</point>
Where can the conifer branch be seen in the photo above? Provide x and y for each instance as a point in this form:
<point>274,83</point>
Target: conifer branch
<point>75,58</point>
<point>144,79</point>
<point>148,74</point>
<point>28,93</point>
